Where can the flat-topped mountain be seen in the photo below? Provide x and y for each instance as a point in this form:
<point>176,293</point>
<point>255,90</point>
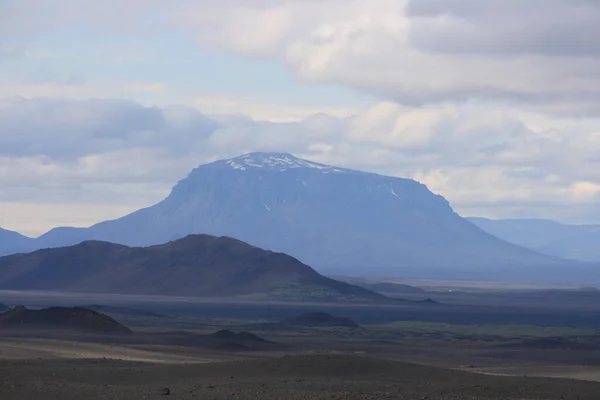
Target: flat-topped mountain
<point>338,220</point>
<point>61,318</point>
<point>197,265</point>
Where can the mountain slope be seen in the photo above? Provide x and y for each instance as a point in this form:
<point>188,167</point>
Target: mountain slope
<point>577,242</point>
<point>197,265</point>
<point>338,220</point>
<point>13,242</point>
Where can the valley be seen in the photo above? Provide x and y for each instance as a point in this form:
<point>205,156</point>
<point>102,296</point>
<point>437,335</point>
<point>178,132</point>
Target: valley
<point>213,347</point>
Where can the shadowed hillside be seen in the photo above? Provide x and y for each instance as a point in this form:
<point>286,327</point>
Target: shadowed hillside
<point>61,318</point>
<point>198,265</point>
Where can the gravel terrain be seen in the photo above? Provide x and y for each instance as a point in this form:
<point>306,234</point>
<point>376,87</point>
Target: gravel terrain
<point>292,377</point>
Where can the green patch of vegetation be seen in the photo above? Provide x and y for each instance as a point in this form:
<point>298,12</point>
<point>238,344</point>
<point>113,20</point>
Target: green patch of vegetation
<point>501,331</point>
<point>309,292</point>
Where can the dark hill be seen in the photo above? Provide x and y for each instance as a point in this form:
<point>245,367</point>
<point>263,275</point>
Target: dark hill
<point>319,319</point>
<point>197,265</point>
<point>227,334</point>
<point>61,318</point>
<point>224,340</point>
<point>4,308</point>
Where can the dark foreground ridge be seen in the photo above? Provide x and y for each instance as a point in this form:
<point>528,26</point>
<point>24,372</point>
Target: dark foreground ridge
<point>197,265</point>
<point>315,377</point>
<point>61,318</point>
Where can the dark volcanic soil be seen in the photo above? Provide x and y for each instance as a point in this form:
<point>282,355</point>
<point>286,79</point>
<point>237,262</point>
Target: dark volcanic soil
<point>291,377</point>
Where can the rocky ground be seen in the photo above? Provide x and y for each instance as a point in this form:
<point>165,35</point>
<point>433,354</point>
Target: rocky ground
<point>291,377</point>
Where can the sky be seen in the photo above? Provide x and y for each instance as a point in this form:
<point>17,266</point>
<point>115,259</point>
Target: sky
<point>106,104</point>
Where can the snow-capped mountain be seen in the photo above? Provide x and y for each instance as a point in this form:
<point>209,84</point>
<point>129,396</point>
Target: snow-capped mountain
<point>335,219</point>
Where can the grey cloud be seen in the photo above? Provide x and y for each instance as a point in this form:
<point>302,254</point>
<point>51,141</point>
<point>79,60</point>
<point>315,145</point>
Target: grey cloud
<point>61,128</point>
<point>12,53</point>
<point>539,54</point>
<point>507,27</point>
<point>43,76</point>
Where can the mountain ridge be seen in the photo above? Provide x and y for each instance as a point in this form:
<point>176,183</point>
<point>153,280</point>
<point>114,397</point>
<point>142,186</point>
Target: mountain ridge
<point>577,242</point>
<point>14,242</point>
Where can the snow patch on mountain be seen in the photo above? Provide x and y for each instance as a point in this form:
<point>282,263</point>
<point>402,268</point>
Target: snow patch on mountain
<point>279,162</point>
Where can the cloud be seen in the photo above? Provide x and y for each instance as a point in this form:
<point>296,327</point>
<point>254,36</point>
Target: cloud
<point>403,57</point>
<point>12,53</point>
<point>541,54</point>
<point>61,128</point>
<point>537,54</point>
<point>510,27</point>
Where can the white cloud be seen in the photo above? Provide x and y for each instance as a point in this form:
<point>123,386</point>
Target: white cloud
<point>260,110</point>
<point>538,54</point>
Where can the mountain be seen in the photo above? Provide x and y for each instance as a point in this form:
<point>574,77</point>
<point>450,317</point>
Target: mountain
<point>577,242</point>
<point>61,318</point>
<point>338,220</point>
<point>13,242</point>
<point>197,265</point>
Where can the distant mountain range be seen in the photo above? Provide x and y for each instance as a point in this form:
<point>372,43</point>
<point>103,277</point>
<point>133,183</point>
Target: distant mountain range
<point>197,265</point>
<point>338,220</point>
<point>576,242</point>
<point>13,242</point>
